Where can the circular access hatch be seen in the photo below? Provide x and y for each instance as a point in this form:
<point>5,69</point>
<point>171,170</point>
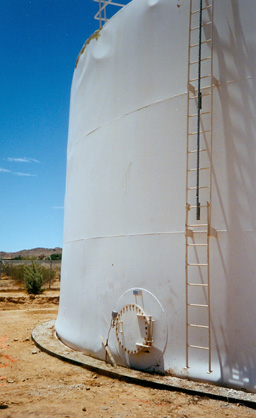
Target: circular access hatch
<point>141,330</point>
<point>134,329</point>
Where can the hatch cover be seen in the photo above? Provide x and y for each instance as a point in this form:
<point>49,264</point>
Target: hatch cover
<point>134,329</point>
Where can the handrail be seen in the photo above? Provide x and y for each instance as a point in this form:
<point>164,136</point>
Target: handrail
<point>101,15</point>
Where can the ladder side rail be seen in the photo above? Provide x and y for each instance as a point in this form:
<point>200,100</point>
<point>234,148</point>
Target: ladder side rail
<point>209,292</point>
<point>210,199</point>
<point>187,286</point>
<point>211,98</point>
<point>187,182</point>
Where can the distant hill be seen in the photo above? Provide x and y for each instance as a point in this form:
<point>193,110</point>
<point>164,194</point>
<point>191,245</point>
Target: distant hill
<point>34,252</point>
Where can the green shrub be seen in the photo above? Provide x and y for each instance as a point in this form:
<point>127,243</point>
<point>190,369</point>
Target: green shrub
<point>15,272</point>
<point>46,273</point>
<point>33,279</point>
<point>56,256</point>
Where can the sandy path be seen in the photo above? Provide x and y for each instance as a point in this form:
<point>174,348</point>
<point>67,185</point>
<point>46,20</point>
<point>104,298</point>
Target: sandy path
<point>34,384</point>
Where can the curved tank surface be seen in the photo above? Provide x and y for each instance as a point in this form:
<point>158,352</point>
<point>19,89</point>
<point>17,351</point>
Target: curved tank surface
<point>169,292</point>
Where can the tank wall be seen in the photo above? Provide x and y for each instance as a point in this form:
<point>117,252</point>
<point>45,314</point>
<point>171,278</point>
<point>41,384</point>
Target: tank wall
<point>126,185</point>
<point>234,163</point>
<point>119,73</point>
<point>123,161</point>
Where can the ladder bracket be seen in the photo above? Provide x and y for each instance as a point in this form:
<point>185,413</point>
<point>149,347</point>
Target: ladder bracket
<point>212,232</point>
<point>189,233</point>
<point>191,88</point>
<point>215,82</point>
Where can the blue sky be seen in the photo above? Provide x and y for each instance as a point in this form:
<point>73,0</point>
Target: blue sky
<point>39,43</point>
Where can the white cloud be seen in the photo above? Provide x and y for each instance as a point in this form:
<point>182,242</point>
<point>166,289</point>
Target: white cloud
<point>33,160</point>
<point>22,160</point>
<point>24,174</point>
<point>4,170</point>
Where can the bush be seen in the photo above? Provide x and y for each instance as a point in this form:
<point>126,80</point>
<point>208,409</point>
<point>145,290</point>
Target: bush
<point>46,273</point>
<point>33,279</point>
<point>56,256</point>
<point>15,272</point>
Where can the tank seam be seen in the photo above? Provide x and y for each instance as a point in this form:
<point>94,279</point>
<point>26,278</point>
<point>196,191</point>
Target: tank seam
<point>124,235</point>
<point>129,113</point>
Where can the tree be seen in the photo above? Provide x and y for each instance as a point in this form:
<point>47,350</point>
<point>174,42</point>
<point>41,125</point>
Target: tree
<point>56,256</point>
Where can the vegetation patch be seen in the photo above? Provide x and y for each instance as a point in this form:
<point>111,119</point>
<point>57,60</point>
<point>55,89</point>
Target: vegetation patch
<point>33,279</point>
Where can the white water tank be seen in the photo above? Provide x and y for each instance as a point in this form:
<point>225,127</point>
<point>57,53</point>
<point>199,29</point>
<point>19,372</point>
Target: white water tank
<point>125,206</point>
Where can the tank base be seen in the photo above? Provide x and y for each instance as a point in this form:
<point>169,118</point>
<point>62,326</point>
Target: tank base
<point>45,338</point>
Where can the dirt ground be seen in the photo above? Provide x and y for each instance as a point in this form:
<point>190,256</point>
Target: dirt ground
<point>34,384</point>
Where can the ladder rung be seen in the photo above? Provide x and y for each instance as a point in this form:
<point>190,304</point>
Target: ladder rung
<point>204,42</point>
<point>195,150</point>
<point>198,284</point>
<point>203,8</point>
<point>202,95</point>
<point>201,114</point>
<point>194,206</point>
<point>197,225</point>
<point>198,346</point>
<point>197,264</point>
<point>198,305</point>
<point>198,326</point>
<point>201,132</point>
<point>201,60</point>
<point>198,232</point>
<point>203,76</point>
<point>201,187</point>
<point>191,232</point>
<point>202,168</point>
<point>202,88</point>
<point>197,245</point>
<point>202,26</point>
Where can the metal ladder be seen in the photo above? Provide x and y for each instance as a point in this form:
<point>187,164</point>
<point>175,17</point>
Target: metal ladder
<point>198,180</point>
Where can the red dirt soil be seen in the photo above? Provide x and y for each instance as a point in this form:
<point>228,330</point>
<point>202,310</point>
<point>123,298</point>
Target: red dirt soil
<point>34,384</point>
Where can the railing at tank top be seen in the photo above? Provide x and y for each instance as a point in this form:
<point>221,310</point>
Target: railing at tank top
<point>101,15</point>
